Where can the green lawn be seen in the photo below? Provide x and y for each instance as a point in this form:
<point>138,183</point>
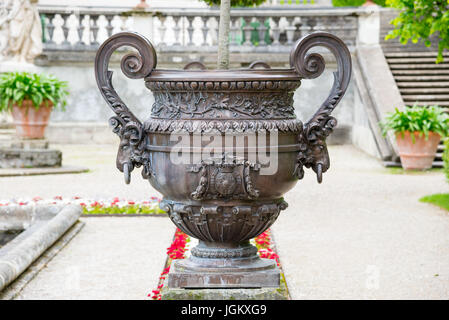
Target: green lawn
<point>133,209</point>
<point>440,199</point>
<point>398,170</point>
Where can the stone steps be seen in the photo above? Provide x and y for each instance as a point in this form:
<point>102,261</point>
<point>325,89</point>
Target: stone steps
<point>420,72</point>
<point>426,97</point>
<point>420,90</point>
<point>439,153</point>
<point>412,54</point>
<point>6,131</point>
<point>424,66</point>
<point>6,135</point>
<point>423,84</point>
<point>407,61</point>
<point>427,103</point>
<point>420,78</point>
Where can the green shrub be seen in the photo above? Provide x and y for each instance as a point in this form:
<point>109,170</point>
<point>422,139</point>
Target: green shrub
<point>446,159</point>
<point>39,88</point>
<point>129,209</point>
<point>420,20</point>
<point>355,3</point>
<point>417,119</point>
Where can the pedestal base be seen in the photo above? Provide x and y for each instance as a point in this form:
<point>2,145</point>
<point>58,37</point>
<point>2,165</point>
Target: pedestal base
<point>27,153</point>
<point>26,144</point>
<point>262,273</point>
<point>30,158</point>
<point>223,294</point>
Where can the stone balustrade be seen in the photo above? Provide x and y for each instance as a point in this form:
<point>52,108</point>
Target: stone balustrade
<point>264,29</point>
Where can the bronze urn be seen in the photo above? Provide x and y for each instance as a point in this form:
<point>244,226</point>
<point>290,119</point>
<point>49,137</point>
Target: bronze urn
<point>222,147</point>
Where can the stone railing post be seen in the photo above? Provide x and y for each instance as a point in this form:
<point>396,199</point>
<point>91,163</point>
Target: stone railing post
<point>369,26</point>
<point>143,21</point>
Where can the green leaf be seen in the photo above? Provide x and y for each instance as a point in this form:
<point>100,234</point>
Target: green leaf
<point>417,119</point>
<point>39,88</point>
<point>421,19</point>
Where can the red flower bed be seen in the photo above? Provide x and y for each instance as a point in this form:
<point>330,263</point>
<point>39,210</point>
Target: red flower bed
<point>265,247</point>
<point>177,250</point>
<point>116,206</point>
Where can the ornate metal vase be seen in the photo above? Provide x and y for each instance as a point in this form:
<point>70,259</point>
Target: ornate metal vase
<point>223,193</point>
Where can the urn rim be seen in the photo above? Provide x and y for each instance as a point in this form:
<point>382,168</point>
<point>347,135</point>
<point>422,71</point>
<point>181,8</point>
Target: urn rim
<point>223,75</point>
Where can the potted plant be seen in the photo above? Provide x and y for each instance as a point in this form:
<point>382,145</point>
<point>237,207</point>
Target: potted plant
<point>418,131</point>
<point>31,97</point>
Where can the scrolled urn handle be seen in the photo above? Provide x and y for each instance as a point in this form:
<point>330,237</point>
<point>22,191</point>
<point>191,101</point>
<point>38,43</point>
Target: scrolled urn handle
<point>312,140</point>
<point>134,65</point>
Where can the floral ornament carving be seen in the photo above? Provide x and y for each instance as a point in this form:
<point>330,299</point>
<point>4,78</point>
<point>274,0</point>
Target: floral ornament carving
<point>237,105</point>
<point>312,140</point>
<point>134,65</point>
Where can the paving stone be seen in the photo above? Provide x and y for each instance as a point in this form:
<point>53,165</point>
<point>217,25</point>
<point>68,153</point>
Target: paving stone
<point>110,258</point>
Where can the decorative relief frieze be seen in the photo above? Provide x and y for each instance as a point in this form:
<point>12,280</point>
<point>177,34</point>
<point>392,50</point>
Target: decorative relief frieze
<point>222,105</point>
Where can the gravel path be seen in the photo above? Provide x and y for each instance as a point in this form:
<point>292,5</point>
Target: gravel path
<point>361,234</point>
<point>111,258</point>
<point>103,181</point>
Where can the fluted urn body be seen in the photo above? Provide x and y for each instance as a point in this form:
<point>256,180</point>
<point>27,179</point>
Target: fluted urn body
<point>223,147</point>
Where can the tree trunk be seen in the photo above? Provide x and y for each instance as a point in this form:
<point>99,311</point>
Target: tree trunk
<point>223,34</point>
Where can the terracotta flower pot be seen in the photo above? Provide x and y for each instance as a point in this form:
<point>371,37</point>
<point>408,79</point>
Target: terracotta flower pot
<point>418,155</point>
<point>30,122</point>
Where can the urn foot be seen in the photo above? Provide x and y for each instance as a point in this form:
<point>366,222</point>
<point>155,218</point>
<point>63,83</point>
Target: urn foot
<point>224,265</point>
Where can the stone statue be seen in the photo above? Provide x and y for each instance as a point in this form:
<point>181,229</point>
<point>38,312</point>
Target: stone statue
<point>21,30</point>
<point>3,29</point>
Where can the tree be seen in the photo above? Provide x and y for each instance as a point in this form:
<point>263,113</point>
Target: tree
<point>223,29</point>
<point>419,20</point>
<point>223,35</point>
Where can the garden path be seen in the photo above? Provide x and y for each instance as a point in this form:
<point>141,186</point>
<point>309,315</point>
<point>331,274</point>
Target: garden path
<point>363,234</point>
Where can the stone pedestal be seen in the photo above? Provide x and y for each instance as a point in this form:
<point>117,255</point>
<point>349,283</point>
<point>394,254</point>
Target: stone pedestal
<point>21,153</point>
<point>266,275</point>
<point>223,284</point>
